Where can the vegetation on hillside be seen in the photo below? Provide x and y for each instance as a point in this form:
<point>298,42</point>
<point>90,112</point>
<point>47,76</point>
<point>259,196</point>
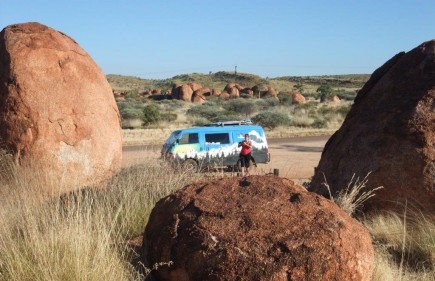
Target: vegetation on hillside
<point>270,112</point>
<point>220,79</point>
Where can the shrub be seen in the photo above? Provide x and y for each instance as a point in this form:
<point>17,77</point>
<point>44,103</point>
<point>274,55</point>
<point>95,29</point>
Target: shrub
<point>319,123</point>
<point>200,122</point>
<point>308,105</point>
<point>210,112</point>
<point>302,122</point>
<point>168,117</point>
<point>128,113</point>
<point>131,94</point>
<point>284,98</point>
<point>261,104</point>
<point>324,110</point>
<point>151,114</point>
<point>343,110</point>
<point>325,93</point>
<point>271,119</point>
<point>272,102</point>
<point>244,107</point>
<point>227,116</point>
<point>346,95</point>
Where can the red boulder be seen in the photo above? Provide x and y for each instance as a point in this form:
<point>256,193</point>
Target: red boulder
<point>255,228</point>
<point>56,107</point>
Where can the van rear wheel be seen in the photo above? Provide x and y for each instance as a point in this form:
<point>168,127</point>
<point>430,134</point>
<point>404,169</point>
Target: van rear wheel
<point>190,165</point>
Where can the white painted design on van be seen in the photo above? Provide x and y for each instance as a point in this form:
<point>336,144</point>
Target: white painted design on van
<point>258,142</point>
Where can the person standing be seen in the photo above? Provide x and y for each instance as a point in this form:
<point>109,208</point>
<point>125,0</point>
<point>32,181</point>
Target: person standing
<point>245,154</point>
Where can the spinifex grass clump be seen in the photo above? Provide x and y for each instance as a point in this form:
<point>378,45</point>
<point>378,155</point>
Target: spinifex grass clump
<point>352,197</point>
<point>404,245</point>
<point>80,235</point>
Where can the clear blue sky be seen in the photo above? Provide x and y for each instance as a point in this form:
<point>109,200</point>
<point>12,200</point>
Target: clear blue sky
<point>160,39</point>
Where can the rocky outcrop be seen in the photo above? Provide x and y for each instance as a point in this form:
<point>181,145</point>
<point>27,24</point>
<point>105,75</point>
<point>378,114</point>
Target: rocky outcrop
<point>57,110</point>
<point>247,91</point>
<point>197,97</point>
<point>185,93</point>
<point>335,99</point>
<point>390,132</point>
<point>205,91</point>
<point>224,96</point>
<point>270,93</point>
<point>234,92</point>
<point>255,228</point>
<point>175,93</point>
<point>157,91</point>
<point>229,86</point>
<point>215,92</point>
<point>194,86</point>
<point>297,98</point>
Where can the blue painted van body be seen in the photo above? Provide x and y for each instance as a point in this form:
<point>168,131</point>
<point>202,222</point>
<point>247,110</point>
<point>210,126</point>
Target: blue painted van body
<point>215,145</point>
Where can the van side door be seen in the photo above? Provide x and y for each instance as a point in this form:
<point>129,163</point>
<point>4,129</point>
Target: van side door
<point>217,146</point>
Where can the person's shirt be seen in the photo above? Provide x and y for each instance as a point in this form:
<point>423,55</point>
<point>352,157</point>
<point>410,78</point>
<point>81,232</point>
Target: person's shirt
<point>246,149</point>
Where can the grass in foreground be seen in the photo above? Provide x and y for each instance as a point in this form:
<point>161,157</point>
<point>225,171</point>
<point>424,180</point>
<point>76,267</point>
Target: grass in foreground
<point>404,243</point>
<point>81,235</point>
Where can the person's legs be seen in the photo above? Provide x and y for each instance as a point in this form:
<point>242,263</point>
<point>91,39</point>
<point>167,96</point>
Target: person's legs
<point>247,160</point>
<point>242,164</point>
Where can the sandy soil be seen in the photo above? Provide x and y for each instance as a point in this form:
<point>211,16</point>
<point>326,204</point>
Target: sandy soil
<point>295,158</point>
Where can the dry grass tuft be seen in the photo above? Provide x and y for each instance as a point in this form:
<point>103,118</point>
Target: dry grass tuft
<point>404,245</point>
<point>352,198</point>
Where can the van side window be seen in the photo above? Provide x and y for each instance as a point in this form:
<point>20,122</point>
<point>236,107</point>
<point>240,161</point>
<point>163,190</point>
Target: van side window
<point>217,138</point>
<point>189,138</point>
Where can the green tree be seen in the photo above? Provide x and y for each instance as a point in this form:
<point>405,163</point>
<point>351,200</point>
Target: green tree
<point>325,93</point>
<point>151,114</point>
<point>259,85</point>
<point>271,119</point>
<point>299,87</point>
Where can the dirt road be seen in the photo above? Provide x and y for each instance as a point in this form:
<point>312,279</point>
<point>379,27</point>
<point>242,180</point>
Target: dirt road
<point>295,157</point>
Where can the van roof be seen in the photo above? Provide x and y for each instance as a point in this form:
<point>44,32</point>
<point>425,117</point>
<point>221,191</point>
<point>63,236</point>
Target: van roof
<point>230,128</point>
<point>230,123</point>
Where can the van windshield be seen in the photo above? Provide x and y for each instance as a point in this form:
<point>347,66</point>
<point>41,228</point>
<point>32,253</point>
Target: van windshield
<point>172,137</point>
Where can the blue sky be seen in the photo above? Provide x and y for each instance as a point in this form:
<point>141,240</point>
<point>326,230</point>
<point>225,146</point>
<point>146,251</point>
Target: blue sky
<point>161,39</point>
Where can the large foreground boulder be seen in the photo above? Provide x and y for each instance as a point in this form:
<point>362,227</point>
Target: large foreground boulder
<point>57,110</point>
<point>390,132</point>
<point>255,228</point>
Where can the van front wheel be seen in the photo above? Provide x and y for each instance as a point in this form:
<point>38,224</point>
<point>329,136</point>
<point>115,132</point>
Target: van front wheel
<point>190,165</point>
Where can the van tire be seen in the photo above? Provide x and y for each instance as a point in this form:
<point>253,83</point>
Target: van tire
<point>190,165</point>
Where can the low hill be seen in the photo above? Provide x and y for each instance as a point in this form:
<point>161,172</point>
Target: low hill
<point>218,80</point>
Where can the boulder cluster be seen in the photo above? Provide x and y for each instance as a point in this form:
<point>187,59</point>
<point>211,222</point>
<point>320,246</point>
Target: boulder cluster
<point>194,92</point>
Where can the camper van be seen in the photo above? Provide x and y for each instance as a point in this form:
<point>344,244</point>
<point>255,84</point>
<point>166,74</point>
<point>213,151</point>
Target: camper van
<point>214,145</point>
